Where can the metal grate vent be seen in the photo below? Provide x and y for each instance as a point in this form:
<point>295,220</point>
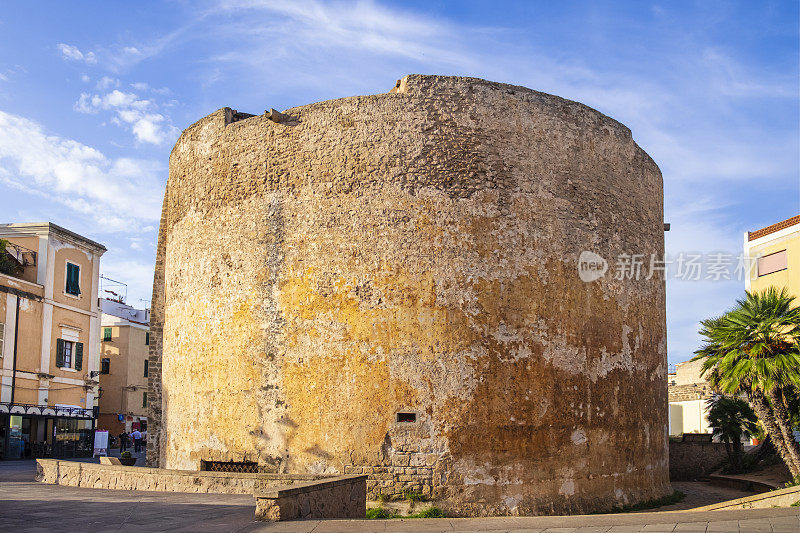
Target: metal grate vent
<point>225,466</point>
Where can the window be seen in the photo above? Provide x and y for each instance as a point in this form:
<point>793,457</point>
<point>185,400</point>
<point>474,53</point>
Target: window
<point>105,365</point>
<point>107,334</point>
<point>73,279</point>
<point>146,369</point>
<point>99,392</point>
<point>406,417</point>
<point>2,337</point>
<point>144,399</point>
<point>772,263</point>
<point>147,338</point>
<point>69,354</point>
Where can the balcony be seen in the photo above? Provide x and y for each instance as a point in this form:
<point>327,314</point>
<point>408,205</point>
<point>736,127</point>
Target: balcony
<point>14,259</point>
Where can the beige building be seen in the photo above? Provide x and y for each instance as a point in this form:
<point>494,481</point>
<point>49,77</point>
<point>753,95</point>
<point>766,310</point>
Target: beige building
<point>688,394</point>
<point>124,348</point>
<point>49,340</point>
<point>774,253</point>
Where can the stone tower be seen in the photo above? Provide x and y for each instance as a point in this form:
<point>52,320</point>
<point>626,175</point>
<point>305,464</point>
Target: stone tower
<point>389,284</point>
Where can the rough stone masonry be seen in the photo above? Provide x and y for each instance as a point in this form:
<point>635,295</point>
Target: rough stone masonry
<point>388,285</point>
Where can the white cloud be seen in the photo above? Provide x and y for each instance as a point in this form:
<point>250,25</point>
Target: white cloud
<point>119,194</point>
<point>106,82</point>
<point>147,125</point>
<point>72,53</point>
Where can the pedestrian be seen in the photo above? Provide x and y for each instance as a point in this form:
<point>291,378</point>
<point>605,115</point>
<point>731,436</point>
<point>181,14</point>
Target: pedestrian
<point>137,440</point>
<point>123,441</point>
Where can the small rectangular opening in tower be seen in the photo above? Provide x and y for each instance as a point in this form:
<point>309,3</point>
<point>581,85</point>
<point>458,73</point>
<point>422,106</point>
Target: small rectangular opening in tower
<point>406,417</point>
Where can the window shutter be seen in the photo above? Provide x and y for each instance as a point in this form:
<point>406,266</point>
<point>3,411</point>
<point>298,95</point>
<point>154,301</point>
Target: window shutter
<point>144,399</point>
<point>78,355</point>
<point>73,279</point>
<point>146,369</point>
<point>60,353</point>
<point>107,333</point>
<point>147,338</point>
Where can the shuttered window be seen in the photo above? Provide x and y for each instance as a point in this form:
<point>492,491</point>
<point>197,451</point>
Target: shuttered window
<point>147,338</point>
<point>144,399</point>
<point>73,279</point>
<point>105,365</point>
<point>107,334</point>
<point>146,369</point>
<point>2,337</point>
<point>772,263</point>
<point>67,353</point>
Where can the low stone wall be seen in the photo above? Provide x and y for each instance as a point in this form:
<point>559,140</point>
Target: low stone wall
<point>693,460</point>
<point>776,498</point>
<point>341,497</point>
<point>97,476</point>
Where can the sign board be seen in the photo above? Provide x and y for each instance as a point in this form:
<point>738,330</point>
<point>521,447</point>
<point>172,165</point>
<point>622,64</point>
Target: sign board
<point>100,443</point>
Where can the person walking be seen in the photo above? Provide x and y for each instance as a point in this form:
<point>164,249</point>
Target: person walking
<point>137,441</point>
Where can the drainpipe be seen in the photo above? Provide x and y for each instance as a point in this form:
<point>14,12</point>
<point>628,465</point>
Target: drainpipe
<point>16,339</point>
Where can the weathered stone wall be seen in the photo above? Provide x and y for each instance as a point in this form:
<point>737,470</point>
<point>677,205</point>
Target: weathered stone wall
<point>416,252</point>
<point>693,460</point>
<point>97,476</point>
<point>343,497</point>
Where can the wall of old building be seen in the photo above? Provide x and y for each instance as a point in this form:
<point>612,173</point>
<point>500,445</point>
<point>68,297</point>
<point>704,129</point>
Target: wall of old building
<point>416,252</point>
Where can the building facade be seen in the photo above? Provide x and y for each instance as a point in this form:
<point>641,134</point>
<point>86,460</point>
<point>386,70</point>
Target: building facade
<point>390,284</point>
<point>774,254</point>
<point>50,324</point>
<point>124,347</point>
<point>688,394</point>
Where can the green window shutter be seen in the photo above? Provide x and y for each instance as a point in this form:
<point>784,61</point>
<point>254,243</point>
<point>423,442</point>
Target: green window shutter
<point>78,355</point>
<point>60,353</point>
<point>107,334</point>
<point>73,279</point>
<point>144,399</point>
<point>146,369</point>
<point>147,338</point>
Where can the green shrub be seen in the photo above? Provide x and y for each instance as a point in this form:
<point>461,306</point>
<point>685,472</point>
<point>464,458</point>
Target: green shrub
<point>125,455</point>
<point>414,496</point>
<point>430,512</point>
<point>378,513</point>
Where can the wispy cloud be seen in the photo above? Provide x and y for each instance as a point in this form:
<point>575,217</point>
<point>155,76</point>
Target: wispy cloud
<point>72,53</point>
<point>140,115</point>
<point>121,194</point>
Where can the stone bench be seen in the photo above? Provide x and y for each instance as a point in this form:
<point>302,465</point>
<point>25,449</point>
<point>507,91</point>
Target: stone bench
<point>109,461</point>
<point>339,497</point>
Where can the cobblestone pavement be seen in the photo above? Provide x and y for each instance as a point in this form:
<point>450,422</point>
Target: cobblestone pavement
<point>27,506</point>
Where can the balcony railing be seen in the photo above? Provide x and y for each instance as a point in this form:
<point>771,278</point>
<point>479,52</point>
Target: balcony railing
<point>22,255</point>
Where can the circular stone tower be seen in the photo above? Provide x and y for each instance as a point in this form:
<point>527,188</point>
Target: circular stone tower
<point>390,284</point>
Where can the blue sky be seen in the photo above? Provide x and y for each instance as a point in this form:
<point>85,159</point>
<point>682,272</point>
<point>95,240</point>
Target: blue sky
<point>94,94</point>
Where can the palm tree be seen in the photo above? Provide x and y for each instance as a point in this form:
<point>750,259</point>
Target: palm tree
<point>732,419</point>
<point>753,348</point>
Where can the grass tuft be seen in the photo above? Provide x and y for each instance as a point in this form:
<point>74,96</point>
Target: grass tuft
<point>379,513</point>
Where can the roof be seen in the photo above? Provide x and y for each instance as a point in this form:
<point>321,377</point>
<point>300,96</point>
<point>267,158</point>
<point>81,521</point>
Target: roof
<point>789,222</point>
<point>40,228</point>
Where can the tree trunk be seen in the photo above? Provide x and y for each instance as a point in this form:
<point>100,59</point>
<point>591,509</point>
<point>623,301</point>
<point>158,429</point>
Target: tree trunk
<point>731,457</point>
<point>782,421</point>
<point>764,413</point>
<point>737,453</point>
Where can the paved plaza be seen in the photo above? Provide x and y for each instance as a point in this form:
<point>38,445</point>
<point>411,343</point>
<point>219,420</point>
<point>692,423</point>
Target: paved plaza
<point>29,506</point>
